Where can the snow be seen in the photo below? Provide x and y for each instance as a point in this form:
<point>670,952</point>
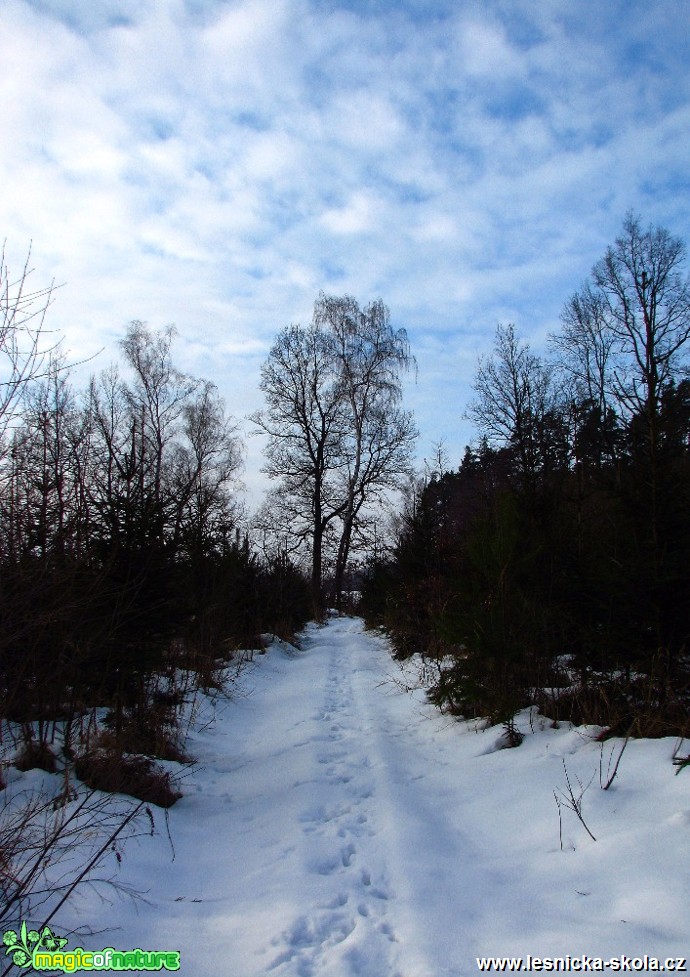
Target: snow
<point>336,824</point>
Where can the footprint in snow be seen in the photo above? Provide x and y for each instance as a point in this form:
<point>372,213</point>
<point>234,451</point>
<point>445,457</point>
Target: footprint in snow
<point>388,931</point>
<point>309,936</point>
<point>325,864</point>
<point>377,891</point>
<point>338,902</point>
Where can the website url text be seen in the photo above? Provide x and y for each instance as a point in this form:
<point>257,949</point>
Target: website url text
<point>584,963</point>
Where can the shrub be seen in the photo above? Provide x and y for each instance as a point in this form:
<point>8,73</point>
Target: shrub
<point>35,754</point>
<point>153,735</point>
<point>137,776</point>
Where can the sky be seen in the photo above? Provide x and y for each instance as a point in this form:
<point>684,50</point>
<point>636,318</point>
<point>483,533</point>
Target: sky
<point>215,164</point>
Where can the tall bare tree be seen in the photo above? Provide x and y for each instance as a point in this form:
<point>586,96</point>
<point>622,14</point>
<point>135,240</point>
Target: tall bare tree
<point>626,340</point>
<point>25,347</point>
<point>337,437</point>
<point>371,356</point>
<point>647,308</point>
<point>305,422</point>
<point>515,403</point>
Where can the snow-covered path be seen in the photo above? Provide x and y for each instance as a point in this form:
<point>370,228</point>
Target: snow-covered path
<point>329,888</point>
<point>337,825</point>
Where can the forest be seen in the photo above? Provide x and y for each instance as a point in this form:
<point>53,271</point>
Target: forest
<point>552,566</point>
<point>549,568</point>
<point>131,574</point>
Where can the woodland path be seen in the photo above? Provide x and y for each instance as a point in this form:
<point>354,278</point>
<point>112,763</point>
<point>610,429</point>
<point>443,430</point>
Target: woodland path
<point>310,846</point>
<point>336,825</point>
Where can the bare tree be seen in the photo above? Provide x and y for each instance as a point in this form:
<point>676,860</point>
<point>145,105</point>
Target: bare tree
<point>626,331</point>
<point>305,422</point>
<point>24,348</point>
<point>159,394</point>
<point>371,355</point>
<point>587,348</point>
<point>625,344</point>
<point>336,434</point>
<point>515,402</point>
<point>155,438</point>
<point>206,465</point>
<point>647,308</point>
<point>588,358</point>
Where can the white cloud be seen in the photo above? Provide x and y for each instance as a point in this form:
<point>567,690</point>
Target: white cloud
<point>217,164</point>
<point>366,122</point>
<point>359,215</point>
<point>485,52</point>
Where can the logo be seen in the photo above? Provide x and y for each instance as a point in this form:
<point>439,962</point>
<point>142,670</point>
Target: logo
<point>46,951</point>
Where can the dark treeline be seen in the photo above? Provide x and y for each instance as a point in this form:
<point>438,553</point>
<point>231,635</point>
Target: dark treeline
<point>130,576</point>
<point>556,556</point>
<point>125,575</point>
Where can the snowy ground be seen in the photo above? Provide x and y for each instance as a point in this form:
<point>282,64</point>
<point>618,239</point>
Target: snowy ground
<point>338,825</point>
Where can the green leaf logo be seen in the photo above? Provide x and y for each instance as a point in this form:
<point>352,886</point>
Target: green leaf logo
<point>52,942</point>
<point>23,945</point>
<point>22,958</point>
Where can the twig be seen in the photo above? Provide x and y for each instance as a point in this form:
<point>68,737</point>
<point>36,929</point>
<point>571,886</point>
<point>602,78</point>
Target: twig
<point>572,802</point>
<point>612,776</point>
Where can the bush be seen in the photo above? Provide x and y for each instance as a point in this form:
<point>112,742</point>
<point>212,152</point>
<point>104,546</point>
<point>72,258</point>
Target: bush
<point>153,735</point>
<point>137,776</point>
<point>35,755</point>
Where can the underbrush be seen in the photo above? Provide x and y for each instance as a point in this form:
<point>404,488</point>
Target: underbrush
<point>53,840</point>
<point>155,733</point>
<point>36,754</point>
<point>648,704</point>
<point>76,782</point>
<point>140,777</point>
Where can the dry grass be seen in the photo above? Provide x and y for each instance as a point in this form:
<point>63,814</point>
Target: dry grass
<point>111,771</point>
<point>36,755</point>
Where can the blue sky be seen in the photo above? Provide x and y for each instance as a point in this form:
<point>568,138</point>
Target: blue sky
<point>217,163</point>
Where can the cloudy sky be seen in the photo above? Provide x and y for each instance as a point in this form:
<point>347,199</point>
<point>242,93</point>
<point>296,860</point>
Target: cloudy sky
<point>217,163</point>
